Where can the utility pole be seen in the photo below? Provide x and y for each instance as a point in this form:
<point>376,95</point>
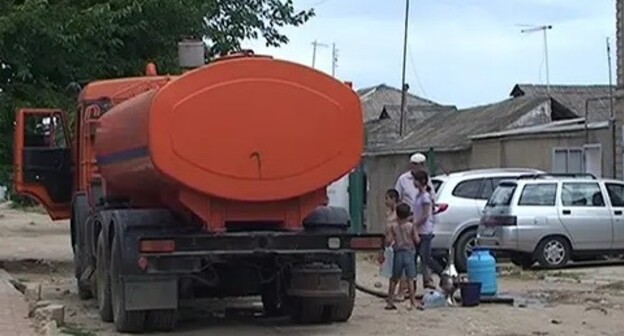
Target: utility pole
<point>612,112</point>
<point>543,28</point>
<point>403,85</point>
<point>610,81</point>
<point>334,59</point>
<point>315,45</point>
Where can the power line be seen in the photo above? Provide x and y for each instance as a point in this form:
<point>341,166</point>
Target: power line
<point>318,3</point>
<point>424,93</point>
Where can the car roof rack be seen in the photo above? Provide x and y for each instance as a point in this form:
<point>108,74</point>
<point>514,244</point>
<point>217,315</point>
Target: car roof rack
<point>558,175</point>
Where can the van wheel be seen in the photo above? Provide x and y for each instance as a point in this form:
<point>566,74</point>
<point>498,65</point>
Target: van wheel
<point>463,248</point>
<point>553,252</point>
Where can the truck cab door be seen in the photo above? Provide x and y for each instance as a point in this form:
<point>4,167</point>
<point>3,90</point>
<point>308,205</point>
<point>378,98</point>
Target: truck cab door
<point>43,160</point>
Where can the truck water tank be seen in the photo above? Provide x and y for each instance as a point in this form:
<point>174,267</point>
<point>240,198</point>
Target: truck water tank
<point>482,268</point>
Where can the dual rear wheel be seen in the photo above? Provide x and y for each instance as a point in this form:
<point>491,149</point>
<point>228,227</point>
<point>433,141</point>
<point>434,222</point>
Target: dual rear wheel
<point>111,295</point>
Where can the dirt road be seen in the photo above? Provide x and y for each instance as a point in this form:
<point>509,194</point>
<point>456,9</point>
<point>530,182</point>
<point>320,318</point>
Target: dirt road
<point>572,302</point>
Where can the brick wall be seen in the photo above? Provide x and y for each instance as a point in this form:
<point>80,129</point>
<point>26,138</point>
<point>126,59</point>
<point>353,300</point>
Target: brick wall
<point>619,96</point>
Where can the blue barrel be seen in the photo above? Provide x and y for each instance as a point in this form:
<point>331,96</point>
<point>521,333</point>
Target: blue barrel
<point>482,268</point>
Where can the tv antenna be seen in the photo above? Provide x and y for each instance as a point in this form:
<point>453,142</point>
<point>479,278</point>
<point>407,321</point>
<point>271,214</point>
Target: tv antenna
<point>315,46</point>
<point>544,29</point>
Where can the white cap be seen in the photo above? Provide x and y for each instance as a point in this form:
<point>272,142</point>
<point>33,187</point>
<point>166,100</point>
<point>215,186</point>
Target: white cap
<point>418,158</point>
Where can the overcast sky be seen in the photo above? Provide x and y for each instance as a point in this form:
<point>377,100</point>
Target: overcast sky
<point>462,52</point>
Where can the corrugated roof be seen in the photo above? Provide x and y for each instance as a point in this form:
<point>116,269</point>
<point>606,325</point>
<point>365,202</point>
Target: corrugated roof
<point>573,97</point>
<point>571,125</point>
<point>415,112</point>
<point>451,130</point>
<point>381,132</point>
<point>375,98</point>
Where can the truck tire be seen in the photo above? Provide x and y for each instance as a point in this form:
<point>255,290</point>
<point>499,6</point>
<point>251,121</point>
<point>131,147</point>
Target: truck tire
<point>103,281</point>
<point>125,321</point>
<point>161,320</point>
<point>306,312</point>
<point>342,312</point>
<point>81,257</point>
<point>465,241</point>
<point>83,286</point>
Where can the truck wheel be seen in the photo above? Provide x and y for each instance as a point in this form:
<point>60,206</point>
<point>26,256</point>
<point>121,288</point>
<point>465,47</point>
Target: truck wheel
<point>463,249</point>
<point>305,312</point>
<point>84,287</point>
<point>103,281</point>
<point>125,321</point>
<point>162,320</point>
<point>342,312</point>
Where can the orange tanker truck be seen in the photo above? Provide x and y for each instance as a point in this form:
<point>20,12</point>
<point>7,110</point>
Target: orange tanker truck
<point>207,184</point>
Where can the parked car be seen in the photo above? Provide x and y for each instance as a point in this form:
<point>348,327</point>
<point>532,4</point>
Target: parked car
<point>461,196</point>
<point>552,219</point>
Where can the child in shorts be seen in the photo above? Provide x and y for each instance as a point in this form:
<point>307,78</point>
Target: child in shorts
<point>403,237</point>
<point>391,201</point>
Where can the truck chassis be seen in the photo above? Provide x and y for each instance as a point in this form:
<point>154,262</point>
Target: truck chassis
<point>139,264</point>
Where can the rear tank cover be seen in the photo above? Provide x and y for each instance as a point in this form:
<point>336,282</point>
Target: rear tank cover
<point>255,129</point>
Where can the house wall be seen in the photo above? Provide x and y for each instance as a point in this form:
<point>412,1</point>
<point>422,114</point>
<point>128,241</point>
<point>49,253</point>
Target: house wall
<point>536,150</point>
<point>382,172</point>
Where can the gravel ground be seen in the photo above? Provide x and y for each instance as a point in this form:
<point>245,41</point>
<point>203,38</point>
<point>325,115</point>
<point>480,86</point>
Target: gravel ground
<point>580,301</point>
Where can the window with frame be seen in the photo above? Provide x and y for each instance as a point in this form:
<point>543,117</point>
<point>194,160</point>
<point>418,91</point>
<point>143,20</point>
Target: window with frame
<point>538,194</point>
<point>568,160</point>
<point>502,195</point>
<point>490,184</point>
<point>582,194</point>
<point>616,194</point>
<point>468,189</point>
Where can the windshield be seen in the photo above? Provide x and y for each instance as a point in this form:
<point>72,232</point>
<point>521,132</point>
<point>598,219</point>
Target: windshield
<point>502,195</point>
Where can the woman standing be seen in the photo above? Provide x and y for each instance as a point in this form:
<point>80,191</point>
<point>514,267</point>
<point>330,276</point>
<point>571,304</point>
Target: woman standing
<point>423,220</point>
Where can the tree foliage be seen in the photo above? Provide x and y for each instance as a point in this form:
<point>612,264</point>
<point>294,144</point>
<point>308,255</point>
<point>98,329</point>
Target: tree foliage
<point>46,45</point>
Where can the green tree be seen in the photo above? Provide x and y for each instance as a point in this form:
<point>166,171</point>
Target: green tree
<point>47,46</point>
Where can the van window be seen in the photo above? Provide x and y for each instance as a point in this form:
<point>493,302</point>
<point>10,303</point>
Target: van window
<point>539,194</point>
<point>468,189</point>
<point>502,195</point>
<point>490,184</point>
<point>616,194</point>
<point>582,194</point>
<point>436,184</point>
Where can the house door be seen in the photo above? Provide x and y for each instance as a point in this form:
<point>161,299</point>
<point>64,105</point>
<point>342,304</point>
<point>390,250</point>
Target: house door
<point>593,159</point>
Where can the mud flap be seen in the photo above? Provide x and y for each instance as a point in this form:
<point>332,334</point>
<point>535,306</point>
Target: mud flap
<point>150,293</point>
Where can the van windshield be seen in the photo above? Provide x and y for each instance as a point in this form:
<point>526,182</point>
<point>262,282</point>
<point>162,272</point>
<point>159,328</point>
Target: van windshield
<point>502,195</point>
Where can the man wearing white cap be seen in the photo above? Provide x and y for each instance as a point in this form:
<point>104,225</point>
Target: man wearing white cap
<point>405,183</point>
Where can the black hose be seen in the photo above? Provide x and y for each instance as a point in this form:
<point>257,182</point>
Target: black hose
<point>507,300</point>
<point>377,293</point>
